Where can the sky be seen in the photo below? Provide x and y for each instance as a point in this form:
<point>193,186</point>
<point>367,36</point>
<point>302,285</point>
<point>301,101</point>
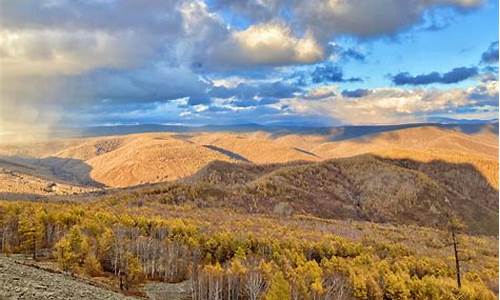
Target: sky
<point>67,63</point>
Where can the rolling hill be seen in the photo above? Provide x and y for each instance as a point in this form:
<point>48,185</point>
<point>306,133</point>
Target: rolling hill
<point>364,187</point>
<point>377,200</point>
<point>127,160</point>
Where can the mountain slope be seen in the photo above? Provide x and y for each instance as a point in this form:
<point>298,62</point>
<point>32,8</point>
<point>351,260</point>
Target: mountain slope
<point>119,161</point>
<point>363,187</point>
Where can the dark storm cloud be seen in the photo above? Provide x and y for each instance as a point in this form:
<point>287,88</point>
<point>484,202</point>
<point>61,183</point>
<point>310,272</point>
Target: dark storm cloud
<point>347,53</point>
<point>360,18</point>
<point>453,76</point>
<point>198,99</point>
<point>128,54</point>
<point>490,56</point>
<point>158,16</point>
<point>356,55</point>
<point>330,73</point>
<point>358,93</point>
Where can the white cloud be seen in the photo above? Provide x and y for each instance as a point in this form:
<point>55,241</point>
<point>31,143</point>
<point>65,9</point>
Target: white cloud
<point>321,92</point>
<point>274,43</point>
<point>57,52</point>
<point>391,105</point>
<point>267,44</point>
<point>58,57</point>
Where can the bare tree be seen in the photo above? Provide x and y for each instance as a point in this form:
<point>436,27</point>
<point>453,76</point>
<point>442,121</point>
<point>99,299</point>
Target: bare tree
<point>255,285</point>
<point>336,287</point>
<point>455,227</point>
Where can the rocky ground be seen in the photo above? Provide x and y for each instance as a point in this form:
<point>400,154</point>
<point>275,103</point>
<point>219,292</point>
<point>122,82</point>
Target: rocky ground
<point>29,187</point>
<point>170,291</point>
<point>19,281</point>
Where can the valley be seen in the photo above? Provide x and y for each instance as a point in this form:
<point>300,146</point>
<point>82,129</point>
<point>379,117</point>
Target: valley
<point>330,214</point>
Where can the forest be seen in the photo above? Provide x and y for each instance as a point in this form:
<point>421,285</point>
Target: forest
<point>230,255</point>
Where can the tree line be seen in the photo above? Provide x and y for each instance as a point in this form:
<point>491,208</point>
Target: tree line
<point>134,248</point>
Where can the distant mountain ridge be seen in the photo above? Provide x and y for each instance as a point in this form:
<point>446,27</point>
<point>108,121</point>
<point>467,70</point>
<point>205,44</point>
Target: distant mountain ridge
<point>125,160</point>
<point>345,132</point>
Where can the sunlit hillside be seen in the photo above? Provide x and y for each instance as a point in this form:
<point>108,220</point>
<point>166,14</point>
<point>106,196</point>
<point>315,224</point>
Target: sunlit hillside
<point>128,160</point>
<point>249,150</point>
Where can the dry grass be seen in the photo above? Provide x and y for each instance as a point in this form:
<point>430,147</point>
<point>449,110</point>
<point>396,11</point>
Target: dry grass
<point>363,187</point>
<point>120,161</point>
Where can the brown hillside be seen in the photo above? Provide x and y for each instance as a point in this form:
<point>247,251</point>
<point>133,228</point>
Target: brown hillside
<point>119,161</point>
<point>363,187</point>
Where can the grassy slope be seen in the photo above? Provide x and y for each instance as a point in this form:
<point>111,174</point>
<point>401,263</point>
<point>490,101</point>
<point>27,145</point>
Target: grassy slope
<point>118,161</point>
<point>364,187</point>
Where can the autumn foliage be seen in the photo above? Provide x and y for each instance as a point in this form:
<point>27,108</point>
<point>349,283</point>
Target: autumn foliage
<point>245,256</point>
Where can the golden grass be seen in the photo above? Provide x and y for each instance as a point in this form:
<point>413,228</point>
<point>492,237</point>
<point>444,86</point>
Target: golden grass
<point>119,161</point>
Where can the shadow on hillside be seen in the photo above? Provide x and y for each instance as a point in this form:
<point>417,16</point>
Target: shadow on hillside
<point>227,153</point>
<point>353,188</point>
<point>470,194</point>
<point>305,152</point>
<point>473,128</point>
<point>339,133</point>
<point>353,132</point>
<point>364,134</point>
<point>21,196</point>
<point>465,178</point>
<point>52,168</point>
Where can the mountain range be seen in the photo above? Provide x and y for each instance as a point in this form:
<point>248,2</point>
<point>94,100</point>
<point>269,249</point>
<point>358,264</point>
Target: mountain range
<point>411,174</point>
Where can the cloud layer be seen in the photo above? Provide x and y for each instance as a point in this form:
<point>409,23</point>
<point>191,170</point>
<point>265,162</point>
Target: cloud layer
<point>394,105</point>
<point>104,61</point>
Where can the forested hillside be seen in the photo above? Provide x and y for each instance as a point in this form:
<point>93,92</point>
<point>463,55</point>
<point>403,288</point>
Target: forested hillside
<point>274,220</point>
<point>366,187</point>
<point>124,242</point>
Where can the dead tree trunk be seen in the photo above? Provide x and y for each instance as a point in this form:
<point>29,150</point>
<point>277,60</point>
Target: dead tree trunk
<point>457,260</point>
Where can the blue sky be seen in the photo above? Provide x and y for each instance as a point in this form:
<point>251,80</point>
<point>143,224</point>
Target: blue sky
<point>194,62</point>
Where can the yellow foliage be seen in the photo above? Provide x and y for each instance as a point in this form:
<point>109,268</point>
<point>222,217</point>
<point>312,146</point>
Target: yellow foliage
<point>395,287</point>
<point>92,266</point>
<point>279,288</point>
<point>135,273</point>
<point>72,249</point>
<point>90,238</point>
